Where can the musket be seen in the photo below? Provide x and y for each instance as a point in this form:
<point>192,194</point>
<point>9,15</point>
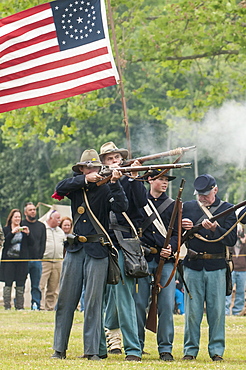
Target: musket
<point>150,157</point>
<point>151,322</point>
<point>196,228</point>
<point>105,171</point>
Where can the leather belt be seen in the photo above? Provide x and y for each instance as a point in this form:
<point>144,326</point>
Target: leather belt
<point>91,238</point>
<point>193,255</point>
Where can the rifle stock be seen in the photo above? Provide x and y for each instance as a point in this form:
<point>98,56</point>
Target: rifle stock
<point>199,226</point>
<point>151,321</point>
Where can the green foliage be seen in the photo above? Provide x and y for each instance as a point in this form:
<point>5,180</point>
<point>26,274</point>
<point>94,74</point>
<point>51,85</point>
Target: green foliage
<point>179,59</point>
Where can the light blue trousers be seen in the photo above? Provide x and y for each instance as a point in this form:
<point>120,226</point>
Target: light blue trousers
<point>120,311</point>
<point>165,303</point>
<point>205,287</point>
<point>238,278</point>
<point>78,267</point>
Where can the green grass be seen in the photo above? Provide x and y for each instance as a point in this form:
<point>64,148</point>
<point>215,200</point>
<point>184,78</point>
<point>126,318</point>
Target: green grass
<point>27,336</point>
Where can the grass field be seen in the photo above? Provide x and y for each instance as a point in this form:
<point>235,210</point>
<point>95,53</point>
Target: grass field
<point>26,343</point>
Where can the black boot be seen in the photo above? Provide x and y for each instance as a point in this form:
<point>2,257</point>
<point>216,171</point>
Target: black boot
<point>19,298</point>
<point>7,297</point>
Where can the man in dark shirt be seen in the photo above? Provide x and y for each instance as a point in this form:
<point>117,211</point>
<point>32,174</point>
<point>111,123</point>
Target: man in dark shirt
<point>157,215</point>
<point>205,267</point>
<point>87,260</point>
<point>38,232</point>
<point>120,310</point>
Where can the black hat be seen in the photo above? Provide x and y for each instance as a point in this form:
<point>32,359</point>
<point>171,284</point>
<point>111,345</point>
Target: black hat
<point>156,172</point>
<point>204,184</point>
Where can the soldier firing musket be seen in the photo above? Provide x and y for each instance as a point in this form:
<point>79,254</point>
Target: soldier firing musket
<point>151,157</point>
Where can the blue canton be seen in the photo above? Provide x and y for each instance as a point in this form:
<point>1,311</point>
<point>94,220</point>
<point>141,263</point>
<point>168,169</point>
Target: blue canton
<point>77,22</point>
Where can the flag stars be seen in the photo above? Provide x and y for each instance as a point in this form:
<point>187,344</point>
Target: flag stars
<point>80,20</point>
<point>57,7</point>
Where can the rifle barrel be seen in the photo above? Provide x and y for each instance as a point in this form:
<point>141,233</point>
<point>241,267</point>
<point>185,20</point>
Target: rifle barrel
<point>169,153</point>
<point>108,171</point>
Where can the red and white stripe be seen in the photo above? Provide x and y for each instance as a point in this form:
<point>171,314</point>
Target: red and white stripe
<point>34,71</point>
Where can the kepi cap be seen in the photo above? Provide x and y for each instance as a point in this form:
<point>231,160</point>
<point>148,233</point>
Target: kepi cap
<point>203,184</point>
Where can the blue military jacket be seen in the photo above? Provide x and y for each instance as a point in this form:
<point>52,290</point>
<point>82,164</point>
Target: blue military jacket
<point>152,236</point>
<point>102,200</point>
<point>192,210</point>
<point>137,198</point>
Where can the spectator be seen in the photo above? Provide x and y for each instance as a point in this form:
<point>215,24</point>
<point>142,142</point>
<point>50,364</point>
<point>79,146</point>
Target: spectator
<point>52,264</point>
<point>66,225</point>
<point>1,236</point>
<point>179,297</point>
<point>38,231</point>
<point>238,274</point>
<point>17,244</point>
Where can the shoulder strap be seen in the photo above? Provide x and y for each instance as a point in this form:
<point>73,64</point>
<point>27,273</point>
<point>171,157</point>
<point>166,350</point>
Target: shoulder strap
<point>94,220</point>
<point>154,215</point>
<point>207,212</point>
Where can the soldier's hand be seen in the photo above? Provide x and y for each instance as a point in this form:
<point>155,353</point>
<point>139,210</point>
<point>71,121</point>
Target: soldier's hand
<point>116,175</point>
<point>93,177</point>
<point>209,225</point>
<point>136,163</point>
<point>166,252</point>
<point>187,224</point>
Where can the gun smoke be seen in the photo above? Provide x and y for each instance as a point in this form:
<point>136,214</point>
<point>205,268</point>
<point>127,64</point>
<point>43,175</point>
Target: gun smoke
<point>220,136</point>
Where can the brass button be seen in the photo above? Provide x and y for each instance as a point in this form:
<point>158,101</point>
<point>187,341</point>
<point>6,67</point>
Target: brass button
<point>84,220</point>
<point>81,210</point>
<point>82,239</point>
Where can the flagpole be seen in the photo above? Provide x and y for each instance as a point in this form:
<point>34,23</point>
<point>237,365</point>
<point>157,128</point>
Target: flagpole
<point>123,99</point>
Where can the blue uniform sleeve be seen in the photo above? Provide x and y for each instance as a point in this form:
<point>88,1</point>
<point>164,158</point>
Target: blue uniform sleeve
<point>118,200</point>
<point>70,184</point>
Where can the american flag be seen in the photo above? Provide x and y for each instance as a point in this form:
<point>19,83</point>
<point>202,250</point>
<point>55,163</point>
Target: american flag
<point>54,51</point>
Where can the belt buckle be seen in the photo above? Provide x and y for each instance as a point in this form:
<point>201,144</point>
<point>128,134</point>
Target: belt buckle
<point>82,239</point>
